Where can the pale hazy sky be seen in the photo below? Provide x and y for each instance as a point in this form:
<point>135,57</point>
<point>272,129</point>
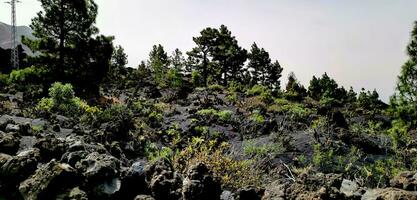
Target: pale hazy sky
<point>360,43</point>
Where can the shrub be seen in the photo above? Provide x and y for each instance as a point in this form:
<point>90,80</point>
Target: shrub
<point>197,79</point>
<point>260,90</point>
<point>4,80</point>
<point>174,78</point>
<point>27,75</point>
<point>257,117</point>
<point>251,148</point>
<point>224,115</point>
<point>216,88</point>
<point>63,101</point>
<point>234,174</point>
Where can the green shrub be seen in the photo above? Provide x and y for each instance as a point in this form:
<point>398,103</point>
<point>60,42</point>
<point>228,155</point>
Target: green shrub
<point>174,78</point>
<point>257,117</point>
<point>27,75</point>
<point>216,88</point>
<point>233,173</point>
<point>197,79</point>
<point>235,87</point>
<point>155,117</point>
<point>4,79</point>
<point>253,149</point>
<point>63,101</point>
<point>224,115</point>
<point>260,90</point>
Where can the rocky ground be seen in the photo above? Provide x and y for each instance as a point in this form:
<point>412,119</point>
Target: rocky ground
<point>56,157</point>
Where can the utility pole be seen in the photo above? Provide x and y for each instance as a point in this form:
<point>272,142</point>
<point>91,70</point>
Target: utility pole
<point>14,57</point>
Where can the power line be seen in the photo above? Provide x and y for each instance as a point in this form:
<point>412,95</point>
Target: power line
<point>14,57</point>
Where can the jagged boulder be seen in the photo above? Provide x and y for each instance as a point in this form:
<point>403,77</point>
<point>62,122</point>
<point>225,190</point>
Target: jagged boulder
<point>48,181</point>
<point>51,147</point>
<point>200,184</point>
<point>405,180</point>
<point>102,174</point>
<point>163,181</point>
<point>73,194</point>
<point>275,190</point>
<point>389,194</point>
<point>316,186</point>
<point>144,197</point>
<point>249,193</point>
<point>9,142</point>
<point>133,181</point>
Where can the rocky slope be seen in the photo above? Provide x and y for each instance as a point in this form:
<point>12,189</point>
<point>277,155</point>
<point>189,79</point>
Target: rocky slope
<point>57,157</point>
<point>5,34</point>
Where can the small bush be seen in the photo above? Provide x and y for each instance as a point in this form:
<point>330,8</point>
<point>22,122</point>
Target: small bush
<point>63,101</point>
<point>216,88</point>
<point>234,174</point>
<point>27,75</point>
<point>260,90</point>
<point>257,117</point>
<point>174,78</point>
<point>197,79</point>
<point>253,149</point>
<point>224,115</point>
<point>4,80</point>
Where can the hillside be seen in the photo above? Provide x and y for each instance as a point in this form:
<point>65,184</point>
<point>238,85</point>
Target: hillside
<point>5,32</point>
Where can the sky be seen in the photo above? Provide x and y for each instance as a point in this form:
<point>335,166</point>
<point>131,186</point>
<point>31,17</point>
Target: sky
<point>359,43</point>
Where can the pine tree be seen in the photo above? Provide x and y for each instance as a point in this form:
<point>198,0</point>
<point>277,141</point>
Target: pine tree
<point>158,62</point>
<point>68,42</point>
<point>404,101</point>
<point>274,73</point>
<point>259,62</point>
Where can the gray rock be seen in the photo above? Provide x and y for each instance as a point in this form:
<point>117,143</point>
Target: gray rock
<point>405,180</point>
<point>163,181</point>
<point>107,188</point>
<point>26,143</point>
<point>389,194</point>
<point>9,142</point>
<point>144,197</point>
<point>348,187</point>
<point>48,180</point>
<point>227,195</point>
<point>12,128</point>
<point>274,191</point>
<point>200,184</point>
<point>99,166</point>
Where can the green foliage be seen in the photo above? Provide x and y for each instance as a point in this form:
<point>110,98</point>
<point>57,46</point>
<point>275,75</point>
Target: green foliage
<point>260,90</point>
<point>27,75</point>
<point>257,117</point>
<point>217,56</point>
<point>294,91</point>
<point>233,173</point>
<point>295,111</point>
<point>216,88</point>
<point>223,115</point>
<point>67,40</point>
<point>369,100</point>
<point>158,62</point>
<point>4,80</point>
<point>154,153</point>
<point>174,78</point>
<point>63,101</point>
<point>114,113</point>
<point>117,65</point>
<point>253,149</point>
<point>197,79</point>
